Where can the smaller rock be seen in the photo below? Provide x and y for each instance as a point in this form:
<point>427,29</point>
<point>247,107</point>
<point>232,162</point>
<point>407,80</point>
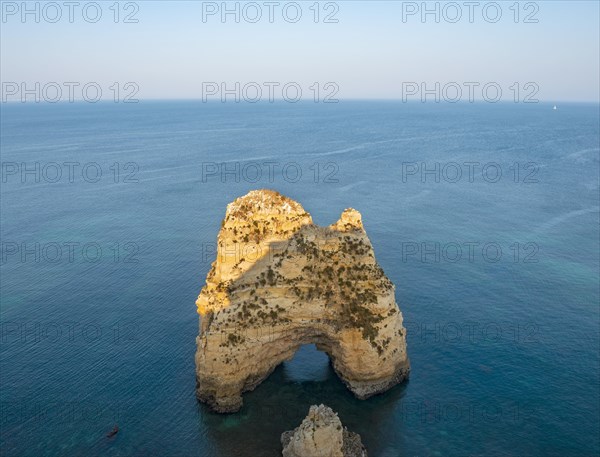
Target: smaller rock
<point>321,434</point>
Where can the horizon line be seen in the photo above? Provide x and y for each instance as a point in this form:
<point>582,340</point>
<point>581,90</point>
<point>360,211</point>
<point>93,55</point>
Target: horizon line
<point>306,100</point>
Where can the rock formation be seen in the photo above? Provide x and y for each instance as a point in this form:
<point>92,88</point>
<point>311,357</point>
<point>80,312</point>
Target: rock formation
<point>280,282</point>
<point>321,435</point>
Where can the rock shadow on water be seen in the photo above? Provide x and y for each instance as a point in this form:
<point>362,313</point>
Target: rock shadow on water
<point>281,401</point>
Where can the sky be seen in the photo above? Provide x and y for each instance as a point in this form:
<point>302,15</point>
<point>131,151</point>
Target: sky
<point>545,50</point>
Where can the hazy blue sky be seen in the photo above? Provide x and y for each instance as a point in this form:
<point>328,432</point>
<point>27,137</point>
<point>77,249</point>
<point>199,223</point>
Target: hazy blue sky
<point>369,53</point>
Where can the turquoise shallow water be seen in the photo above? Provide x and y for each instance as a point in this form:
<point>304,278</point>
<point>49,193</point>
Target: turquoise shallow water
<point>503,348</point>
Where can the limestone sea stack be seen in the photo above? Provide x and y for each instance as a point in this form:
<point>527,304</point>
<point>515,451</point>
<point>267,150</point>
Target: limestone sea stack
<point>321,435</point>
<point>280,282</point>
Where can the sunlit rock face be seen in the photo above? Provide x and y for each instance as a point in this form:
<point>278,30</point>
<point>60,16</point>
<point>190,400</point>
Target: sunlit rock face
<point>321,434</point>
<point>280,282</point>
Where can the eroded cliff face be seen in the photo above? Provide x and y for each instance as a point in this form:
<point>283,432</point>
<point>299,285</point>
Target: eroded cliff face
<point>280,282</point>
<point>321,434</point>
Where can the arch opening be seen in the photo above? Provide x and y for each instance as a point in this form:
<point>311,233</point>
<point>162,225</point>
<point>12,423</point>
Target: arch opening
<point>309,364</point>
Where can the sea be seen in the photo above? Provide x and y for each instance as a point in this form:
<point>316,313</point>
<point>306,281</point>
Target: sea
<point>485,216</point>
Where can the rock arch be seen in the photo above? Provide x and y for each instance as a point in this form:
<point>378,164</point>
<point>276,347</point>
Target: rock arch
<point>280,282</point>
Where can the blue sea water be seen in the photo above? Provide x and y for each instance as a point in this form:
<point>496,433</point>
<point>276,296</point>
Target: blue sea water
<point>504,347</point>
